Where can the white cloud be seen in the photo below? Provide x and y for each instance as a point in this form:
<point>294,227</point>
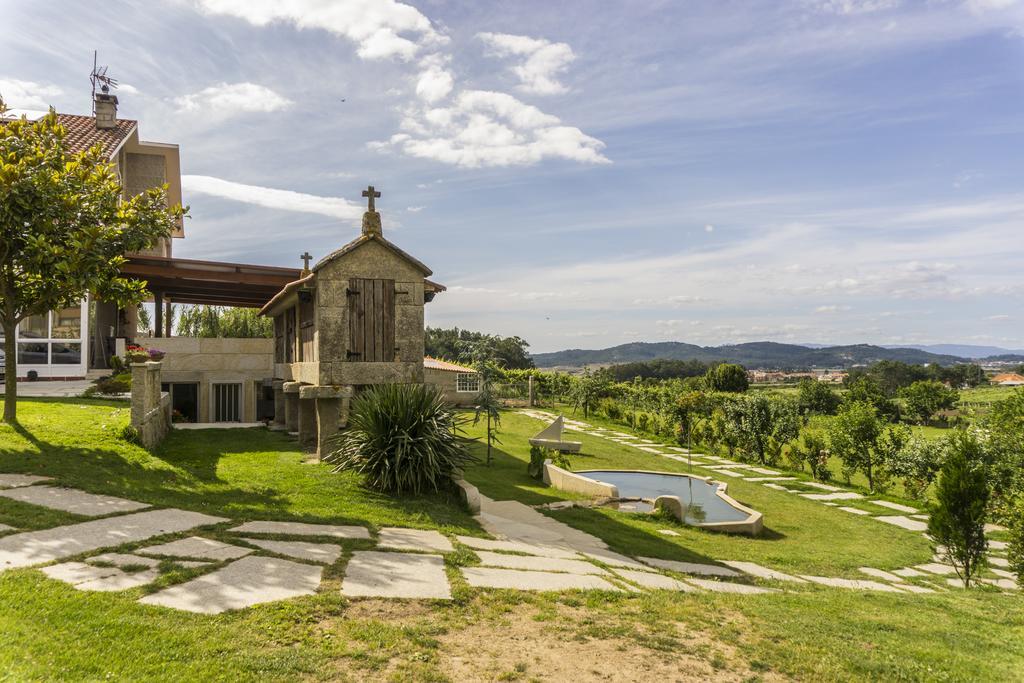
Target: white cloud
<point>435,82</point>
<point>127,89</point>
<point>999,317</point>
<point>543,60</point>
<point>227,99</point>
<point>380,28</point>
<point>284,200</point>
<point>27,94</point>
<point>831,308</point>
<point>414,209</point>
<point>854,6</point>
<point>486,128</point>
<point>709,228</point>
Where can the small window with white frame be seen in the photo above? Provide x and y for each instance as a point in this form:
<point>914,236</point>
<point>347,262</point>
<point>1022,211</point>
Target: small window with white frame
<point>467,383</point>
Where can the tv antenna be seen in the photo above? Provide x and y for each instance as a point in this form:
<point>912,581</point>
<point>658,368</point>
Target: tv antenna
<point>99,76</point>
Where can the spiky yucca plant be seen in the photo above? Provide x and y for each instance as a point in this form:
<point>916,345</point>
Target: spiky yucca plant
<point>402,438</point>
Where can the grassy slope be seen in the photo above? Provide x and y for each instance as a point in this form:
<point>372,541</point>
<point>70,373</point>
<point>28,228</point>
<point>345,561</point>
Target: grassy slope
<point>52,631</point>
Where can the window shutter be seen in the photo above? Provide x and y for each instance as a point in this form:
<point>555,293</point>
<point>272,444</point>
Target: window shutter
<point>371,320</point>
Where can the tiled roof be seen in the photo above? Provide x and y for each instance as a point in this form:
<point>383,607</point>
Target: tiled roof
<point>82,133</point>
<point>435,364</point>
<point>1008,377</point>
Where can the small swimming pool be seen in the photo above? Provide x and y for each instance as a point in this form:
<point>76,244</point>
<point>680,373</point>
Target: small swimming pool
<point>703,501</point>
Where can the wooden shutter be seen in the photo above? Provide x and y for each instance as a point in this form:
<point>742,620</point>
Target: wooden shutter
<point>278,338</point>
<point>371,320</point>
<point>307,348</point>
<point>289,336</point>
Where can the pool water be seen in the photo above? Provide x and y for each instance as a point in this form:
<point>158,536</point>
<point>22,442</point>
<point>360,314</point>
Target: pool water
<point>699,497</point>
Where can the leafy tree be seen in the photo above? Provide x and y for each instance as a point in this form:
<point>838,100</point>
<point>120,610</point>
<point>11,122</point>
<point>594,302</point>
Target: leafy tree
<point>854,438</point>
<point>64,229</point>
<point>218,321</point>
<point>867,390</point>
<point>762,424</point>
<point>586,390</point>
<point>487,403</point>
<point>688,408</point>
<point>916,463</point>
<point>1015,554</point>
<point>1004,427</point>
<point>957,519</point>
<point>817,397</point>
<point>727,377</point>
<point>659,368</point>
<point>924,398</point>
<point>510,353</point>
<point>814,452</point>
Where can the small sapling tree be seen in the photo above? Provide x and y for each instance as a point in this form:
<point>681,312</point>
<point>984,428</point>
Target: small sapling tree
<point>488,406</point>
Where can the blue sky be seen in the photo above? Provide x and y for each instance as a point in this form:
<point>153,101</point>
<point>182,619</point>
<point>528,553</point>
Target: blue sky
<point>590,173</point>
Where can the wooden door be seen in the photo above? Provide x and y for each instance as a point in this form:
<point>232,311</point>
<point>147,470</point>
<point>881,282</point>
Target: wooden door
<point>371,320</point>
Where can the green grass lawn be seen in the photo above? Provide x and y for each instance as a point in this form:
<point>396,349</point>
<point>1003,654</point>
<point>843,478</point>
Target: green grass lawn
<point>52,631</point>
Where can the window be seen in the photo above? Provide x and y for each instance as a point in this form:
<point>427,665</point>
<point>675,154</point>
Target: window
<point>467,382</point>
<point>34,327</point>
<point>65,354</point>
<point>53,338</point>
<point>227,402</point>
<point>67,323</point>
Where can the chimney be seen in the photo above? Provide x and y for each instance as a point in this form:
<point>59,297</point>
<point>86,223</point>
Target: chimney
<point>105,106</point>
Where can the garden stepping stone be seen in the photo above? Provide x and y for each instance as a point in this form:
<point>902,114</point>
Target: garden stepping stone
<point>728,472</point>
<point>990,527</point>
<point>197,548</point>
<point>12,481</point>
<point>395,538</point>
<point>86,577</point>
<point>376,574</point>
<point>764,479</point>
<point>854,511</point>
<point>668,532</point>
<point>912,588</point>
<point>778,487</point>
<point>895,506</point>
<point>998,545</point>
<point>303,529</point>
<point>541,564</point>
<point>690,567</point>
<point>999,562</point>
<point>321,553</point>
<point>909,572</point>
<point>764,470</point>
<point>72,500</point>
<point>837,495</point>
<point>6,527</point>
<point>936,568</point>
<point>857,584</point>
<point>903,522</point>
<point>249,581</point>
<point>191,564</point>
<point>37,547</point>
<point>762,572</point>
<point>729,587</point>
<point>819,485</point>
<point>1002,573</point>
<point>613,559</point>
<point>881,574</point>
<point>654,581</point>
<point>485,577</point>
<point>121,560</point>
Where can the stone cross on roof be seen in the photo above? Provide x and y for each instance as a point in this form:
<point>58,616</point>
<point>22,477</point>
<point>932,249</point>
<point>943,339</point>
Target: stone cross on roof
<point>370,194</point>
<point>306,258</point>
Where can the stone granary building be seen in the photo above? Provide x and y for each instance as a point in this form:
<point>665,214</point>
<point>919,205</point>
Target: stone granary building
<point>354,319</point>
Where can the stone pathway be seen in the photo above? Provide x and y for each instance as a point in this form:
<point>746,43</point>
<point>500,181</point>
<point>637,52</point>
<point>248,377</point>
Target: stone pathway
<point>544,564</point>
<point>321,553</point>
<point>197,548</point>
<point>11,481</point>
<point>484,577</point>
<point>303,529</point>
<point>413,539</point>
<point>72,500</point>
<point>395,575</point>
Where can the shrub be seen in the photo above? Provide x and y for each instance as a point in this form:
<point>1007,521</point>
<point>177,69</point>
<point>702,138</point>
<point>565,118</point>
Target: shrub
<point>402,437</point>
<point>957,519</point>
<point>1016,552</point>
<point>642,421</point>
<point>114,384</point>
<point>813,453</point>
<point>538,454</point>
<point>611,408</point>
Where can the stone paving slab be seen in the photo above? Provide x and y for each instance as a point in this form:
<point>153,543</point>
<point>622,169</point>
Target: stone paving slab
<point>540,564</point>
<point>321,553</point>
<point>197,548</point>
<point>6,527</point>
<point>396,538</point>
<point>75,573</point>
<point>823,487</point>
<point>249,581</point>
<point>37,547</point>
<point>882,574</point>
<point>613,559</point>
<point>1002,573</point>
<point>517,547</point>
<point>690,567</point>
<point>726,472</point>
<point>765,470</point>
<point>72,500</point>
<point>936,568</point>
<point>485,577</point>
<point>123,560</point>
<point>12,481</point>
<point>837,495</point>
<point>191,564</point>
<point>668,532</point>
<point>395,575</point>
<point>854,511</point>
<point>303,529</point>
<point>999,562</point>
<point>764,479</point>
<point>998,545</point>
<point>856,584</point>
<point>121,581</point>
<point>909,572</point>
<point>913,588</point>
<point>654,581</point>
<point>757,570</point>
<point>894,506</point>
<point>903,522</point>
<point>729,587</point>
<point>778,487</point>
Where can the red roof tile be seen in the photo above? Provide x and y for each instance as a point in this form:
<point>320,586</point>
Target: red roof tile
<point>435,364</point>
<point>82,133</point>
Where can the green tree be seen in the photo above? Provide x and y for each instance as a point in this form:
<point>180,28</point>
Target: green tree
<point>510,353</point>
<point>957,519</point>
<point>1015,554</point>
<point>727,377</point>
<point>853,438</point>
<point>487,404</point>
<point>817,397</point>
<point>866,390</point>
<point>763,424</point>
<point>688,408</point>
<point>217,321</point>
<point>586,390</point>
<point>924,398</point>
<point>1004,426</point>
<point>64,229</point>
<point>916,463</point>
<point>814,452</point>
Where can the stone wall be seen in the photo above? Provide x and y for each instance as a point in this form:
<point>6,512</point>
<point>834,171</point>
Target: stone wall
<point>151,408</point>
<point>208,361</point>
<point>445,380</point>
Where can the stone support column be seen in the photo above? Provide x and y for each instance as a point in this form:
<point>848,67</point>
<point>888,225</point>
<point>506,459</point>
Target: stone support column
<point>328,401</point>
<point>307,424</point>
<point>279,402</point>
<point>291,405</point>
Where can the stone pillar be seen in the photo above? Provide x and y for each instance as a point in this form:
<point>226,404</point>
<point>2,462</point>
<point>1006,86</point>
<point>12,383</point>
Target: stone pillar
<point>279,403</point>
<point>139,394</point>
<point>531,397</point>
<point>307,424</point>
<point>291,405</point>
<point>328,401</point>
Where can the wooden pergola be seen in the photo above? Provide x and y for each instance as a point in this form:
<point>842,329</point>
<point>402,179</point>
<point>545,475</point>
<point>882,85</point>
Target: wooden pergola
<point>211,283</point>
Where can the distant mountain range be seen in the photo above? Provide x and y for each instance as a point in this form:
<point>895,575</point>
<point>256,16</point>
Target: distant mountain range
<point>766,355</point>
<point>962,350</point>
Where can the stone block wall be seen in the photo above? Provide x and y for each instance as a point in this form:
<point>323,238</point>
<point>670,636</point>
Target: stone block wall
<point>151,408</point>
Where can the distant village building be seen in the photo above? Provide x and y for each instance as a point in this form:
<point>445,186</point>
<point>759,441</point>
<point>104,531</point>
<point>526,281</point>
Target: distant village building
<point>1008,379</point>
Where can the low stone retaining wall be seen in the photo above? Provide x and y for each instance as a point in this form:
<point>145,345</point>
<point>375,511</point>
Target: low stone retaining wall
<point>151,408</point>
<point>575,483</point>
<point>470,495</point>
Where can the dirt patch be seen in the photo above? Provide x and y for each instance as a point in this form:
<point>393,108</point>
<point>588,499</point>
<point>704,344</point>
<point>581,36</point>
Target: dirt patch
<point>389,610</point>
<point>571,647</point>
